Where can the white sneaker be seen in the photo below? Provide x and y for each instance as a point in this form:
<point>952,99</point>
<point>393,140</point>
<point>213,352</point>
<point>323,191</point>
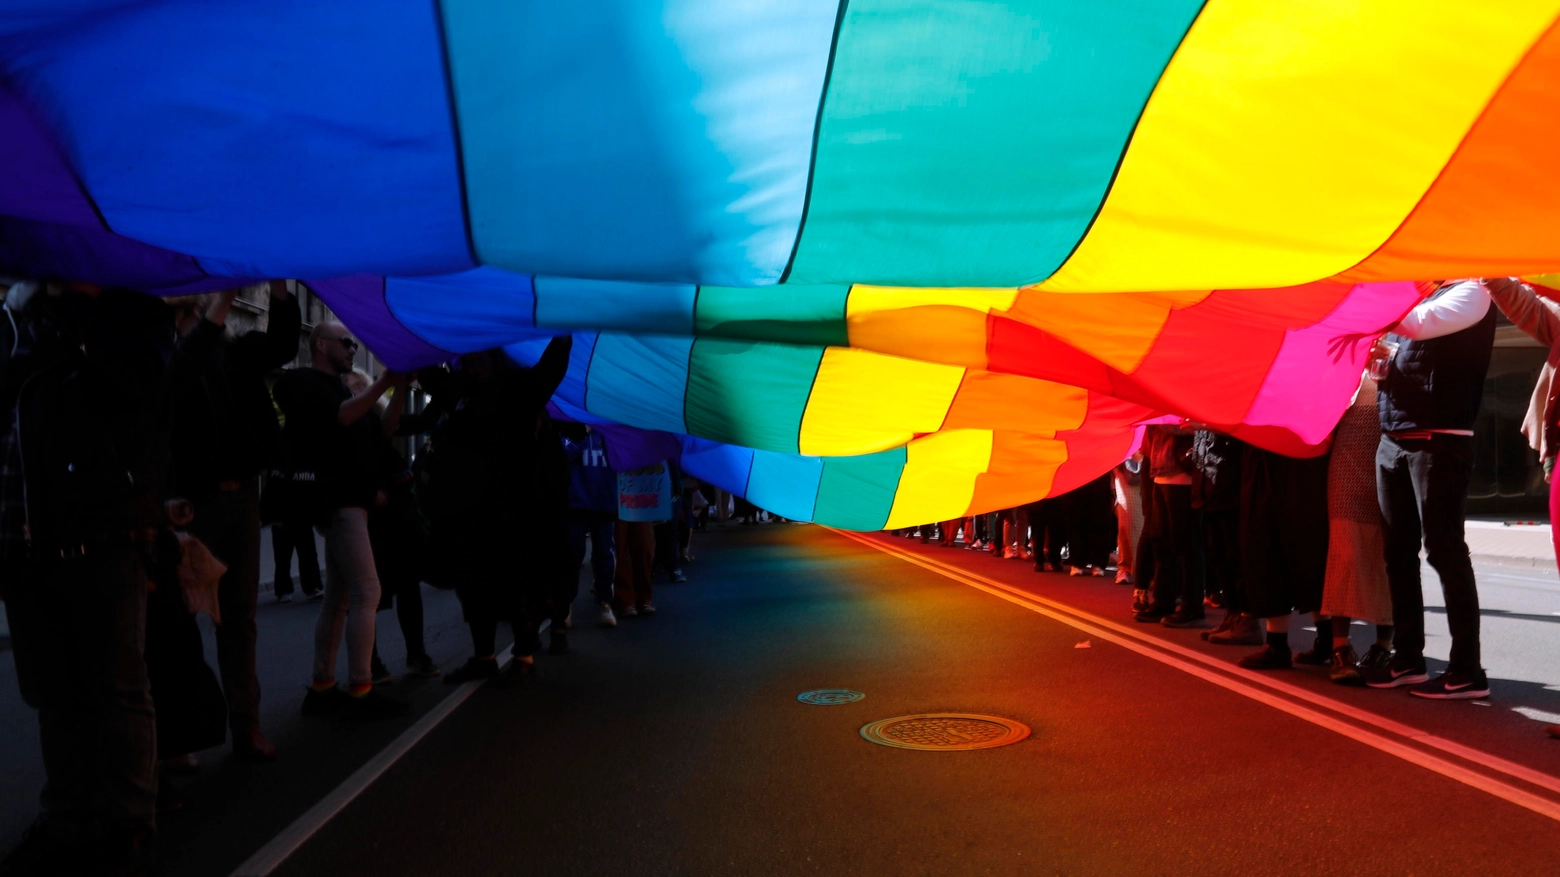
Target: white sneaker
<point>607,618</point>
<point>1099,572</point>
<point>285,598</point>
<point>629,612</point>
<point>1075,571</point>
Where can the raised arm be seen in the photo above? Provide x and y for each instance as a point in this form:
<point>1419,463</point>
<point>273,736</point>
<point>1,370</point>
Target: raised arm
<point>1526,309</point>
<point>278,344</point>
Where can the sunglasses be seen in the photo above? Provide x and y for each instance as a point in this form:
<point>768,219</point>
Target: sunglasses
<point>349,343</point>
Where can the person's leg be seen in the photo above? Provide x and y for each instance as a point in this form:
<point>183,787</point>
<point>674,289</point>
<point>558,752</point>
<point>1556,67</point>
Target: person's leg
<point>603,555</point>
<point>111,614</point>
<point>1401,531</point>
<point>409,613</point>
<point>332,620</point>
<point>1168,568</point>
<point>1440,477</point>
<point>302,533</point>
<point>229,524</point>
<point>642,539</point>
<point>355,554</point>
<point>281,555</point>
<point>623,577</point>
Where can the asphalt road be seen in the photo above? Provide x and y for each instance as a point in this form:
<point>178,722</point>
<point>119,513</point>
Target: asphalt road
<point>676,745</point>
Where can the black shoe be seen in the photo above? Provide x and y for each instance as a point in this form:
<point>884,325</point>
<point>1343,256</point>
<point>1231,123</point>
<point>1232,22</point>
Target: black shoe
<point>1267,659</point>
<point>381,674</point>
<point>1345,667</point>
<point>1399,671</point>
<point>1318,655</point>
<point>1376,657</point>
<point>1454,685</point>
<point>559,644</point>
<point>1224,625</point>
<point>372,706</point>
<point>421,665</point>
<point>474,670</point>
<point>1152,615</point>
<point>324,702</point>
<point>1182,619</point>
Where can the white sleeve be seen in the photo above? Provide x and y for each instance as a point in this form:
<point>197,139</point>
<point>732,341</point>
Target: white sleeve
<point>1453,311</point>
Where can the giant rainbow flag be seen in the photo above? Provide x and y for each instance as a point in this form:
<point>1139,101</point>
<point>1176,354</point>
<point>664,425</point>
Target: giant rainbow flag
<point>869,263</point>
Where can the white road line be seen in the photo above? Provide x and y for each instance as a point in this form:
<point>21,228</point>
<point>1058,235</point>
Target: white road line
<point>1246,682</point>
<point>269,857</point>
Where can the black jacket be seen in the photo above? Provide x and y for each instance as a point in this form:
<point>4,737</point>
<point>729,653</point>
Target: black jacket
<point>88,380</point>
<point>1437,383</point>
<point>224,426</point>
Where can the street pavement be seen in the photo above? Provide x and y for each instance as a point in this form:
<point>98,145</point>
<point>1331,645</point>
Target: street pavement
<point>676,745</point>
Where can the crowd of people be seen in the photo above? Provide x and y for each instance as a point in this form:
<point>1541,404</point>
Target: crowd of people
<point>144,447</point>
<point>1204,520</point>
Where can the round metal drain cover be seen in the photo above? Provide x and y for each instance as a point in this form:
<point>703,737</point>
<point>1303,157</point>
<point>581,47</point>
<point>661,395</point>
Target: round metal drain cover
<point>942,732</point>
<point>830,696</point>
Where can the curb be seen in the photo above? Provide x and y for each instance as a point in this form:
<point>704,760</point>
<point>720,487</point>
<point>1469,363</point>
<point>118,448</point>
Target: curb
<point>1508,560</point>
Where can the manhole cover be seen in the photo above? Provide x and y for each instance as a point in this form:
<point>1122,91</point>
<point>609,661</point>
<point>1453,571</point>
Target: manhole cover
<point>830,696</point>
<point>945,731</point>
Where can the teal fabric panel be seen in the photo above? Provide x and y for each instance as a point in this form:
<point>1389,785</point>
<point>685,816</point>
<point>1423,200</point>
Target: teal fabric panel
<point>639,380</point>
<point>785,484</point>
<point>569,303</point>
<point>750,393</point>
<point>793,313</point>
<point>971,144</point>
<point>857,493</point>
<point>656,140</point>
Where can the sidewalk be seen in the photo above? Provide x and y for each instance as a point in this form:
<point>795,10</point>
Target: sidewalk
<point>1511,544</point>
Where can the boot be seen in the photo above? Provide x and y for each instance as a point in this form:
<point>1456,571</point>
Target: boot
<point>1245,631</point>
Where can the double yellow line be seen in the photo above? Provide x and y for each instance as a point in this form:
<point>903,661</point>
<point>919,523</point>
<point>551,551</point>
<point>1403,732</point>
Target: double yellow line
<point>1394,738</point>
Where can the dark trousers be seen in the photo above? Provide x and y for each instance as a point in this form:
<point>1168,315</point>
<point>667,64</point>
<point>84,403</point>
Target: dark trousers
<point>635,553</point>
<point>601,527</point>
<point>1422,486</point>
<point>1048,529</point>
<point>229,523</point>
<point>1283,537</point>
<point>78,633</point>
<point>286,537</point>
<point>1091,523</point>
<point>1178,550</point>
<point>1221,535</point>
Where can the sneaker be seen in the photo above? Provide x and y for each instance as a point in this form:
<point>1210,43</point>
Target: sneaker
<point>1245,631</point>
<point>1399,671</point>
<point>1075,571</point>
<point>284,598</point>
<point>628,612</point>
<point>1267,659</point>
<point>381,673</point>
<point>1214,601</point>
<point>1098,572</point>
<point>1454,685</point>
<point>373,706</point>
<point>421,665</point>
<point>1318,655</point>
<point>1376,657</point>
<point>1140,600</point>
<point>646,610</point>
<point>474,670</point>
<point>314,595</point>
<point>559,644</point>
<point>1345,668</point>
<point>1123,577</point>
<point>322,702</point>
<point>1152,614</point>
<point>607,618</point>
<point>678,577</point>
<point>1180,618</point>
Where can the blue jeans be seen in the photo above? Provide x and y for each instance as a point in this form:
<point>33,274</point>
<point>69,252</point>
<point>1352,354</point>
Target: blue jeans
<point>600,526</point>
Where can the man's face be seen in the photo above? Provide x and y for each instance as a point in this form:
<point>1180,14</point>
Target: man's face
<point>339,348</point>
